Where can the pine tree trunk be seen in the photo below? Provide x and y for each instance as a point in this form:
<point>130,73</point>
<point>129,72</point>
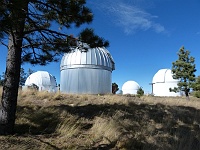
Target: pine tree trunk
<point>10,88</point>
<point>18,12</point>
<point>187,94</point>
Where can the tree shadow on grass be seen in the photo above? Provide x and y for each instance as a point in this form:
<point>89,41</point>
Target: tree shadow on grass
<point>40,121</point>
<point>179,126</point>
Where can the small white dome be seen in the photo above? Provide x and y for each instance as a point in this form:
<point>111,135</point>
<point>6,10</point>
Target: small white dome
<point>130,87</point>
<point>43,80</point>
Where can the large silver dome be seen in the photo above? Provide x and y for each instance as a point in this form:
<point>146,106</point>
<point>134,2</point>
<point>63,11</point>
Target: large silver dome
<point>92,58</point>
<point>87,70</point>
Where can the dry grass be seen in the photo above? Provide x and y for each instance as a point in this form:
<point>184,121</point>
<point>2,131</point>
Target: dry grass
<point>61,121</point>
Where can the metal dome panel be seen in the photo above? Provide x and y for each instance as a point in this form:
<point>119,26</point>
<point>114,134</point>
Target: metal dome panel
<point>86,70</point>
<point>92,58</point>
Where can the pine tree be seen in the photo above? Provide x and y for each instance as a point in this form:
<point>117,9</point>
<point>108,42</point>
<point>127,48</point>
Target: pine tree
<point>1,81</point>
<point>23,77</point>
<point>183,69</point>
<point>35,31</point>
<point>29,72</point>
<point>2,78</point>
<point>140,92</point>
<point>196,87</point>
<point>115,88</point>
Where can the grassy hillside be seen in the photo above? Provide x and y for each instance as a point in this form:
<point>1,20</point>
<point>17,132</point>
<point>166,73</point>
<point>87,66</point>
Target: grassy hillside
<point>57,121</point>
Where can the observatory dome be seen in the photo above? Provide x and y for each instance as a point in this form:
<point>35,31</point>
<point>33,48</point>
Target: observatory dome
<point>87,70</point>
<point>162,81</point>
<point>130,87</point>
<point>44,80</point>
<point>164,75</point>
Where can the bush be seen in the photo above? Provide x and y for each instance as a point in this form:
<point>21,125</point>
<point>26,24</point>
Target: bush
<point>140,92</point>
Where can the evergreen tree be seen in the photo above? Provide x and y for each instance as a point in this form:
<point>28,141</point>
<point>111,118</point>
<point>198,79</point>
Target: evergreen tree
<point>183,69</point>
<point>35,31</point>
<point>2,78</point>
<point>1,83</point>
<point>115,88</point>
<point>29,72</point>
<point>140,92</point>
<point>23,77</point>
<point>196,87</point>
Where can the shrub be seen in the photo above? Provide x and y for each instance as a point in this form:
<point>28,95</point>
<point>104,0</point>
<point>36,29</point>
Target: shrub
<point>140,92</point>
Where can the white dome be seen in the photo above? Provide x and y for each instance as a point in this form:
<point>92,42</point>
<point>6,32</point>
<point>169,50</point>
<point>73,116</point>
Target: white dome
<point>162,81</point>
<point>90,58</point>
<point>130,87</point>
<point>43,80</point>
<point>163,75</point>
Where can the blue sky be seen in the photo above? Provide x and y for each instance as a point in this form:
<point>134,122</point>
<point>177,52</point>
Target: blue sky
<point>144,35</point>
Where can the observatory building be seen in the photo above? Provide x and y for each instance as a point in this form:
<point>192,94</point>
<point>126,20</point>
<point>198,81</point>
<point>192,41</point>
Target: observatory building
<point>86,70</point>
<point>162,81</point>
<point>44,81</point>
<point>130,87</point>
